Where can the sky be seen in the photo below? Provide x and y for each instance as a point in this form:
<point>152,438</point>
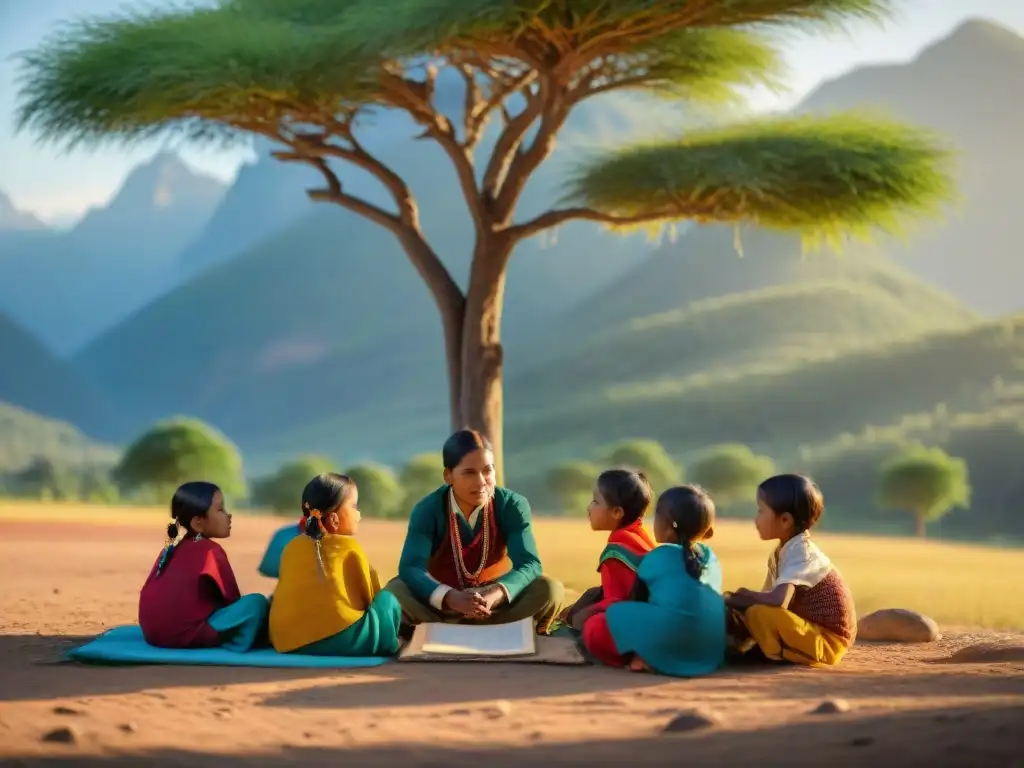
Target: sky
<point>60,187</point>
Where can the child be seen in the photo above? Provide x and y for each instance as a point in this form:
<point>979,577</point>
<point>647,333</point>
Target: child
<point>674,622</point>
<point>191,598</point>
<point>621,498</point>
<point>804,613</point>
<point>328,600</point>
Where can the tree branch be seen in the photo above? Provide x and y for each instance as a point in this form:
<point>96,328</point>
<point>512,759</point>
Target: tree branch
<point>554,218</point>
<point>507,145</point>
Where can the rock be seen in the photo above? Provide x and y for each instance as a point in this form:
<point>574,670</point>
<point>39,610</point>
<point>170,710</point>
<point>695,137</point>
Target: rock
<point>498,709</point>
<point>832,707</point>
<point>692,720</point>
<point>67,711</point>
<point>128,727</point>
<point>63,735</point>
<point>898,625</point>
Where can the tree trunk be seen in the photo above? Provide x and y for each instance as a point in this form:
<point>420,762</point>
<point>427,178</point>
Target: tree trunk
<point>482,406</point>
<point>920,523</point>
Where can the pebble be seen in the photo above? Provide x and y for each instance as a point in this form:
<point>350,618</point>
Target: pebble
<point>832,707</point>
<point>692,720</point>
<point>63,735</point>
<point>67,711</point>
<point>498,709</point>
<point>128,727</point>
<point>898,625</point>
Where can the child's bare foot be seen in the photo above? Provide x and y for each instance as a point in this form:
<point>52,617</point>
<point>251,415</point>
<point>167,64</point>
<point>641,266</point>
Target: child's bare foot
<point>637,664</point>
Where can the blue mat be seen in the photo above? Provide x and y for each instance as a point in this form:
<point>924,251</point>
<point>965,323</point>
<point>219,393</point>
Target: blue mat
<point>124,645</point>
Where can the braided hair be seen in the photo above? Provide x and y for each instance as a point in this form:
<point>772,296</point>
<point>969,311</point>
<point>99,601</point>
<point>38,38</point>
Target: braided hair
<point>691,513</point>
<point>321,496</point>
<point>190,501</point>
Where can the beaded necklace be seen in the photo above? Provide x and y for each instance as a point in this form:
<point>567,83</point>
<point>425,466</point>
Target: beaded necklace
<point>461,571</point>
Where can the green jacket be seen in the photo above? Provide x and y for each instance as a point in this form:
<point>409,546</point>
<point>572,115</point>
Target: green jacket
<point>428,524</point>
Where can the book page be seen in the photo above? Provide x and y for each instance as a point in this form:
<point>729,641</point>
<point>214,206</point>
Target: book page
<point>516,639</point>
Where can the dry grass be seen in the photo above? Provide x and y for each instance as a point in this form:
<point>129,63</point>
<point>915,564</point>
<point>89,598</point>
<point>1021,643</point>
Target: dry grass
<point>956,585</point>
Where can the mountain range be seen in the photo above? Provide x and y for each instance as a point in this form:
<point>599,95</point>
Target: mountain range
<point>299,328</point>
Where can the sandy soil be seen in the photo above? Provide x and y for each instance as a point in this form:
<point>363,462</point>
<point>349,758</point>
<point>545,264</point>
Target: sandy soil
<point>956,702</point>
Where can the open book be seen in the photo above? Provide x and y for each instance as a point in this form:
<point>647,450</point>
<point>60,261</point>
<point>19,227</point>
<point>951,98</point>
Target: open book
<point>472,641</point>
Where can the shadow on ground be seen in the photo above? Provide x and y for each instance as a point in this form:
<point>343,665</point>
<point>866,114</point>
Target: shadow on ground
<point>952,737</point>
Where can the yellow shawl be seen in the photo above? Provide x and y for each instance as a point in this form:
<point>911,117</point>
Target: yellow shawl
<point>307,606</point>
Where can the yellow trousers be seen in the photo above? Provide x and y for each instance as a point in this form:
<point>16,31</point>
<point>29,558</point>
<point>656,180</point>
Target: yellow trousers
<point>783,636</point>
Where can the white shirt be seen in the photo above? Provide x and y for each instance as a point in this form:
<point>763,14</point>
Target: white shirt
<point>437,596</point>
<point>798,562</point>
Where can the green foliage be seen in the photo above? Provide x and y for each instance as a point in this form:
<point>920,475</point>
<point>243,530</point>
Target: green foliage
<point>282,491</point>
<point>421,475</point>
<point>926,482</point>
<point>572,485</point>
<point>43,478</point>
<point>730,472</point>
<point>649,457</point>
<point>380,494</point>
<point>824,176</point>
<point>177,451</point>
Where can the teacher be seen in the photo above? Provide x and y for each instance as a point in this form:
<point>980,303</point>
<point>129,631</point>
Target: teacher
<point>469,554</point>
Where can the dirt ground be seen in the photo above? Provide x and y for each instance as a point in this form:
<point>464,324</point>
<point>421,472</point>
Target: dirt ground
<point>956,702</point>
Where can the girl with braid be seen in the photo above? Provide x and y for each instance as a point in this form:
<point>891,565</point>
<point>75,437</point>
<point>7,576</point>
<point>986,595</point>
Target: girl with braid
<point>191,598</point>
<point>328,600</point>
<point>674,621</point>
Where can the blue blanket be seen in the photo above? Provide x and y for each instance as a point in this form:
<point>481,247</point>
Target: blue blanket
<point>124,645</point>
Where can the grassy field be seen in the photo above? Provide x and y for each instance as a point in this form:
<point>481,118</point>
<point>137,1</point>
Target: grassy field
<point>957,585</point>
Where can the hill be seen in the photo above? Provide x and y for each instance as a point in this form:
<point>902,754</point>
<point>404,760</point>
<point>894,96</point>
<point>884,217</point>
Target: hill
<point>66,287</point>
<point>778,405</point>
<point>25,435</point>
<point>33,378</point>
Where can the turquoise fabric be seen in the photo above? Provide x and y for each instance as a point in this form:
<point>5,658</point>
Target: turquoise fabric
<point>241,623</point>
<point>680,630</point>
<point>270,565</point>
<point>376,634</point>
<point>125,645</point>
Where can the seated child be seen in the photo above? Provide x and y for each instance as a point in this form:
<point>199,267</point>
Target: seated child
<point>191,598</point>
<point>674,622</point>
<point>328,600</point>
<point>621,498</point>
<point>804,613</point>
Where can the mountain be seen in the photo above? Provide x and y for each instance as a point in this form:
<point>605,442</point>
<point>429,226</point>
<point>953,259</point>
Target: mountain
<point>967,87</point>
<point>66,287</point>
<point>34,379</point>
<point>330,307</point>
<point>13,219</point>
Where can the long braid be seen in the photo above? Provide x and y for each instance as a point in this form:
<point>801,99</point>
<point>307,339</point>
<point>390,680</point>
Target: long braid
<point>165,555</point>
<point>314,528</point>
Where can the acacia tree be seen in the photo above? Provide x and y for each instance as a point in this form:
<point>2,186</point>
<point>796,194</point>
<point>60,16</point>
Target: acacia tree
<point>310,74</point>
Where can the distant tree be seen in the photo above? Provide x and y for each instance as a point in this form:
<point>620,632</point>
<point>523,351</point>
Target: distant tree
<point>311,76</point>
<point>96,486</point>
<point>572,484</point>
<point>282,491</point>
<point>651,458</point>
<point>730,472</point>
<point>927,482</point>
<point>380,494</point>
<point>420,475</point>
<point>176,451</point>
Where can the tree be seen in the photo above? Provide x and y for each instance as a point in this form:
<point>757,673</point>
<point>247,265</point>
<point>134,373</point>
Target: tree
<point>380,494</point>
<point>651,458</point>
<point>176,451</point>
<point>282,491</point>
<point>730,472</point>
<point>310,76</point>
<point>927,482</point>
<point>44,479</point>
<point>572,484</point>
<point>421,475</point>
